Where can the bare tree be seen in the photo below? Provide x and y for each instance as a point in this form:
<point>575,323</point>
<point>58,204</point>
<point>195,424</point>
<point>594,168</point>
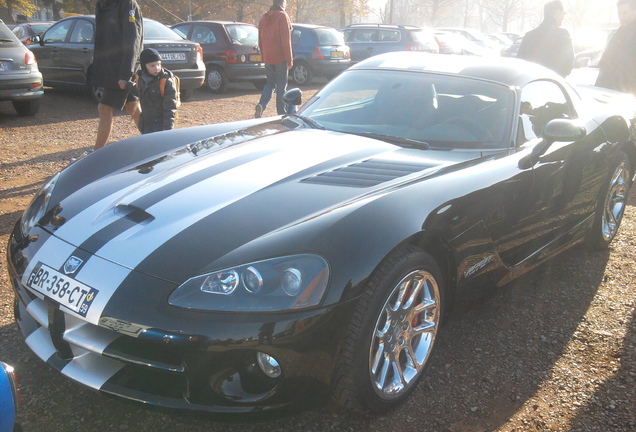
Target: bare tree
<point>502,12</point>
<point>433,9</point>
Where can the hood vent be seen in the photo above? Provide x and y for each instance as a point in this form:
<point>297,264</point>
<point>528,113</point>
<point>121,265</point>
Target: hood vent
<point>369,173</point>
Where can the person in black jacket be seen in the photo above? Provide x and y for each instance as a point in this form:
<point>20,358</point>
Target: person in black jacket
<point>617,68</point>
<point>157,91</point>
<point>549,44</point>
<point>118,42</point>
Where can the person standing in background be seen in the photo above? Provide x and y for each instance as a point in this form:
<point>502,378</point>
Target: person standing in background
<point>118,42</point>
<point>617,68</point>
<point>274,42</point>
<point>549,44</point>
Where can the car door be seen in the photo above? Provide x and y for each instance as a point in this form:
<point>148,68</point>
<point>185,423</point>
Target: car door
<point>565,176</point>
<point>49,52</point>
<point>361,42</point>
<point>78,52</point>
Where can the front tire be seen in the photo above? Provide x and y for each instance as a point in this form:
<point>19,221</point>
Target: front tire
<point>611,204</point>
<point>391,334</point>
<point>301,74</point>
<point>216,80</point>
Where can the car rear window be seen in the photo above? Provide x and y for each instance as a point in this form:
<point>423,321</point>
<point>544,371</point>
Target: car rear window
<point>156,30</point>
<point>7,38</point>
<point>241,34</point>
<point>329,37</point>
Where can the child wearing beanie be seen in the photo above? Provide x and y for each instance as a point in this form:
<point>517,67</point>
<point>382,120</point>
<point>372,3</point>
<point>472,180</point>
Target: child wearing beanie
<point>157,91</point>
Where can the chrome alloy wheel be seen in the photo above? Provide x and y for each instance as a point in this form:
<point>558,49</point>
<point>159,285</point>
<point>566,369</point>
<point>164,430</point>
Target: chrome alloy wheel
<point>615,202</point>
<point>404,334</point>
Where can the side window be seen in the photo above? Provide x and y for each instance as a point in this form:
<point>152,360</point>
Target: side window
<point>348,35</point>
<point>363,35</point>
<point>82,32</point>
<point>203,35</point>
<point>182,30</point>
<point>541,101</point>
<point>58,32</point>
<point>295,37</point>
<point>389,35</point>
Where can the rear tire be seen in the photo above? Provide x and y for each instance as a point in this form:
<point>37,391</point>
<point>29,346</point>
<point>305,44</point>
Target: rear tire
<point>301,74</point>
<point>391,333</point>
<point>611,204</point>
<point>216,80</point>
<point>27,108</point>
<point>186,94</point>
<point>259,84</point>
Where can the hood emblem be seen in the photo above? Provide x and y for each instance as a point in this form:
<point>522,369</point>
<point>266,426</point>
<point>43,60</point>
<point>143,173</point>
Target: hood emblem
<point>72,264</point>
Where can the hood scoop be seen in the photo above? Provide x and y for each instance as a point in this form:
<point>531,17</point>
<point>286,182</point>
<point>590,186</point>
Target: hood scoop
<point>133,213</point>
<point>369,173</point>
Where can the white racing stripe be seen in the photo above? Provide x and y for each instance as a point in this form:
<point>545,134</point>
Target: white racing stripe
<point>99,215</point>
<point>213,194</point>
<point>91,369</point>
<point>40,342</point>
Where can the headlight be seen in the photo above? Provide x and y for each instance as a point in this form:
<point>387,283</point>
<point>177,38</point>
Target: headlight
<point>277,284</point>
<point>38,206</point>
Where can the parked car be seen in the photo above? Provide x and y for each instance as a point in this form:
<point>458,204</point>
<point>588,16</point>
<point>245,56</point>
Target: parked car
<point>65,54</point>
<point>26,31</point>
<point>454,43</point>
<point>230,52</point>
<point>20,78</point>
<point>475,36</point>
<point>586,72</point>
<point>366,40</point>
<point>513,49</point>
<point>9,399</point>
<point>255,264</point>
<point>317,51</point>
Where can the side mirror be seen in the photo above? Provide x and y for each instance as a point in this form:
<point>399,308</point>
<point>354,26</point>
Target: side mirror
<point>557,130</point>
<point>563,130</point>
<point>583,62</point>
<point>293,97</point>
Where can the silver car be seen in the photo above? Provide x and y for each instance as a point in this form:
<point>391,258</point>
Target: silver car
<point>20,79</point>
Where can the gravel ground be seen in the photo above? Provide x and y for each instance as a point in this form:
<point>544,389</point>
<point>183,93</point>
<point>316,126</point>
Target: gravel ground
<point>555,351</point>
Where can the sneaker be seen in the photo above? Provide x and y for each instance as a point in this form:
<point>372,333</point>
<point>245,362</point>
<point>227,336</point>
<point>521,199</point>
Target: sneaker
<point>259,111</point>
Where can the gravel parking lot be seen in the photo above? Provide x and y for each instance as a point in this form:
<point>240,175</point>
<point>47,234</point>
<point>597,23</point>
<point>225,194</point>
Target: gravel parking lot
<point>555,351</point>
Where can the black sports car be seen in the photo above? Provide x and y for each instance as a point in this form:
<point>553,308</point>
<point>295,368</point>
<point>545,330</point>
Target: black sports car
<point>250,265</point>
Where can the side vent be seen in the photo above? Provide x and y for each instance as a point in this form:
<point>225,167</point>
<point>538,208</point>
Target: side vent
<point>369,173</point>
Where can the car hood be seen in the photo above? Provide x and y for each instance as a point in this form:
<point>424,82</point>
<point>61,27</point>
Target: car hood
<point>213,196</point>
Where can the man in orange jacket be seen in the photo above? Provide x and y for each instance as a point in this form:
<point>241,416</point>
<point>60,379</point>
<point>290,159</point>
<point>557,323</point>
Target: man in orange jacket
<point>274,41</point>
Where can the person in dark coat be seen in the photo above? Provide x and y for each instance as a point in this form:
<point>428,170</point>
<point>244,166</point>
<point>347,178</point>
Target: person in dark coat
<point>549,44</point>
<point>157,91</point>
<point>617,68</point>
<point>118,42</point>
<point>274,41</point>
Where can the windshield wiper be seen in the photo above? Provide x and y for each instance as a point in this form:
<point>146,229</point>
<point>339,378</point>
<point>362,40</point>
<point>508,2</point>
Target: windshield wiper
<point>396,140</point>
<point>311,122</point>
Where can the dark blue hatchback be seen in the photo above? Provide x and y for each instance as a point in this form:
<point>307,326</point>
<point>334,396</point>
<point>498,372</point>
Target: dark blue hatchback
<point>318,51</point>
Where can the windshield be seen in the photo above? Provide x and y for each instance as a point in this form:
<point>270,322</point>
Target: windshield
<point>440,111</point>
<point>156,30</point>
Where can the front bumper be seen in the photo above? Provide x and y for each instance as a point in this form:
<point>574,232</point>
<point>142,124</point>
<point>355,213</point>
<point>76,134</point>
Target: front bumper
<point>145,350</point>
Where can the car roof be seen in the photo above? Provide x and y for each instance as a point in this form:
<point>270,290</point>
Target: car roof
<point>508,71</point>
<point>376,25</point>
<point>311,26</point>
<point>212,22</point>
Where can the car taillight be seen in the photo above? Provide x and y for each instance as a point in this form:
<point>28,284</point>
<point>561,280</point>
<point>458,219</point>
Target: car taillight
<point>230,56</point>
<point>318,54</point>
<point>29,58</point>
<point>413,47</point>
<point>199,53</point>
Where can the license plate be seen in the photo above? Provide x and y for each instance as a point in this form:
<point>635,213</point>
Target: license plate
<point>173,56</point>
<point>256,58</point>
<point>4,66</point>
<point>337,54</point>
<point>67,291</point>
